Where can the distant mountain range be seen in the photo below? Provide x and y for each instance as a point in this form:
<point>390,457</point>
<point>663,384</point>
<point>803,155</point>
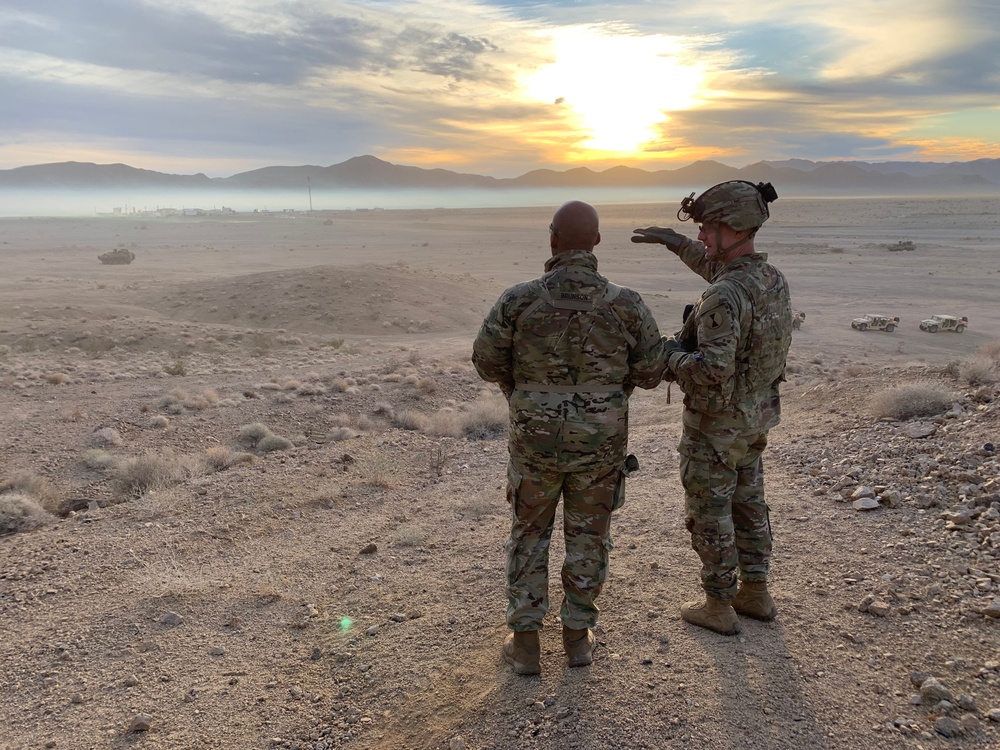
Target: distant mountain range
<point>371,173</point>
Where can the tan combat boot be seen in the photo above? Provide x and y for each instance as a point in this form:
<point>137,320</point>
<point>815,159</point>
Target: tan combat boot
<point>753,600</point>
<point>714,614</point>
<point>579,646</point>
<point>521,651</point>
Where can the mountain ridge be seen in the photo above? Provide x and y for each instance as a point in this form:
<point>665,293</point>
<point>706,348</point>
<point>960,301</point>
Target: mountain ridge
<point>370,172</point>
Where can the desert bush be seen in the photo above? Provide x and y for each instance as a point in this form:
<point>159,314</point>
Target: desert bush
<point>20,512</point>
<point>220,458</point>
<point>486,418</point>
<point>379,469</point>
<point>978,370</point>
<point>427,385</point>
<point>159,422</point>
<point>291,385</point>
<point>273,443</point>
<point>990,351</point>
<point>57,378</point>
<point>134,477</point>
<point>855,371</point>
<point>411,379</point>
<point>911,400</point>
<point>106,436</point>
<point>445,423</point>
<point>39,489</point>
<point>261,439</point>
<point>175,368</point>
<point>410,420</point>
<point>342,433</point>
<point>95,458</point>
<point>410,536</point>
<point>340,385</point>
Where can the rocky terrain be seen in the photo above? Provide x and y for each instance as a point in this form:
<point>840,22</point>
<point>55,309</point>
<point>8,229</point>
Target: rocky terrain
<point>223,533</point>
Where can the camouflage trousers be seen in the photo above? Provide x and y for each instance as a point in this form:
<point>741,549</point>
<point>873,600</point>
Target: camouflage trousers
<point>588,499</point>
<point>723,477</point>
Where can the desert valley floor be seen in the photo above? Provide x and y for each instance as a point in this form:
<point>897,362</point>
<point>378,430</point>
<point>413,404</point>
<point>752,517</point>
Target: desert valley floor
<point>252,490</point>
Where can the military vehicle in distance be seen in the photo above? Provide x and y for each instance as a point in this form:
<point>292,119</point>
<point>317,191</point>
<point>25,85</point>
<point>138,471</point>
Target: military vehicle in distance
<point>797,317</point>
<point>120,256</point>
<point>944,323</point>
<point>885,323</point>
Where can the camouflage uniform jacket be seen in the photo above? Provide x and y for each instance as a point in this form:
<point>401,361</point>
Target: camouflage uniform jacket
<point>567,349</point>
<point>741,329</point>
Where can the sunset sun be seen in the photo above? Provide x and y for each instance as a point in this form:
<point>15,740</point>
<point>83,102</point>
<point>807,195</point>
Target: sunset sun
<point>616,88</point>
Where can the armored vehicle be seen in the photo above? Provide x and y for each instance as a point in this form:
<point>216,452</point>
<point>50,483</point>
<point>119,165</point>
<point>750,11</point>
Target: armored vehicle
<point>944,323</point>
<point>120,256</point>
<point>885,323</point>
<point>797,317</point>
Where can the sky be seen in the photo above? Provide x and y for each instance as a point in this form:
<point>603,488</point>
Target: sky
<point>496,88</point>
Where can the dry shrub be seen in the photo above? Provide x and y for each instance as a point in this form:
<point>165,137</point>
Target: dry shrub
<point>57,378</point>
<point>340,385</point>
<point>380,470</point>
<point>251,434</point>
<point>410,536</point>
<point>134,477</point>
<point>20,512</point>
<point>978,370</point>
<point>220,458</point>
<point>39,489</point>
<point>159,422</point>
<point>75,414</point>
<point>856,371</point>
<point>273,443</point>
<point>271,386</point>
<point>911,401</point>
<point>291,385</point>
<point>486,418</point>
<point>410,420</point>
<point>394,377</point>
<point>445,423</point>
<point>107,436</point>
<point>342,433</point>
<point>411,379</point>
<point>427,385</point>
<point>97,459</point>
<point>990,351</point>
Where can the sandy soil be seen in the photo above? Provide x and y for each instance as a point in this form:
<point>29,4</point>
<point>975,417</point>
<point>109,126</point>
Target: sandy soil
<point>194,589</point>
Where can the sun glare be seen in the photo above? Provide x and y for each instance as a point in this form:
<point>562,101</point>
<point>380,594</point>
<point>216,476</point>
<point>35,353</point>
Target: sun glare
<point>617,87</point>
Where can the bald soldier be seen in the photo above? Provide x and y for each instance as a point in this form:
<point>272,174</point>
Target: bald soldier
<point>567,349</point>
<point>729,360</point>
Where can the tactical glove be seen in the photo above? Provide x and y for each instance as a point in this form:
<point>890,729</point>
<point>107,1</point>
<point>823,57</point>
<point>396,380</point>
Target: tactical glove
<point>670,345</point>
<point>661,235</point>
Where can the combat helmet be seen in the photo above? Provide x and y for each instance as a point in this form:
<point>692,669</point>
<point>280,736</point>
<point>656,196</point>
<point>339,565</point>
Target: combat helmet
<point>737,203</point>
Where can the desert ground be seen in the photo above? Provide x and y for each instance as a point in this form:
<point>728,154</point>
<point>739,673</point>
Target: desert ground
<point>251,492</point>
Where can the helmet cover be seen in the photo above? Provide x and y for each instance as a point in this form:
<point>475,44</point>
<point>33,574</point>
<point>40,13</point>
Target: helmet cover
<point>737,203</point>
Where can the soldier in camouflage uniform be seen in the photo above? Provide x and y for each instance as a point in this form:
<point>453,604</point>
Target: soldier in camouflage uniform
<point>729,359</point>
<point>567,349</point>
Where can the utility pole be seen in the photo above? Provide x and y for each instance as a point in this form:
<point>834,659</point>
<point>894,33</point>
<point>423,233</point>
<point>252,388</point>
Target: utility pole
<point>309,185</point>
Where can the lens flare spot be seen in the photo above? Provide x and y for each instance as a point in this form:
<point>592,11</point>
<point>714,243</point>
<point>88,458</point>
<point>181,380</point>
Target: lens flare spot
<point>345,623</point>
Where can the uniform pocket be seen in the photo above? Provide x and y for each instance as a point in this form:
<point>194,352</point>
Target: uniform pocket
<point>619,500</point>
<point>514,479</point>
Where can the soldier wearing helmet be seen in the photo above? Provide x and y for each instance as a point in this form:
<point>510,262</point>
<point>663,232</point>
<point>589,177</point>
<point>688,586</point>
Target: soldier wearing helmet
<point>729,359</point>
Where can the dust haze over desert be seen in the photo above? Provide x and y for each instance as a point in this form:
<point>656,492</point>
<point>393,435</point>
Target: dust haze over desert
<point>252,490</point>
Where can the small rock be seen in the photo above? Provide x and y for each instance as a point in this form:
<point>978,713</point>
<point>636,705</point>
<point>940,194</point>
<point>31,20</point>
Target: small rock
<point>130,681</point>
<point>371,630</point>
<point>866,503</point>
<point>171,618</point>
<point>966,702</point>
<point>947,727</point>
<point>970,723</point>
<point>217,651</point>
<point>918,678</point>
<point>891,498</point>
<point>456,743</point>
<point>140,723</point>
<point>993,714</point>
<point>862,492</point>
<point>993,610</point>
<point>398,617</point>
<point>369,549</point>
<point>933,691</point>
<point>919,430</point>
<point>879,608</point>
<point>865,603</point>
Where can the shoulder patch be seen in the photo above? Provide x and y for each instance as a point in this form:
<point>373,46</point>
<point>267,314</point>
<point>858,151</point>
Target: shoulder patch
<point>714,320</point>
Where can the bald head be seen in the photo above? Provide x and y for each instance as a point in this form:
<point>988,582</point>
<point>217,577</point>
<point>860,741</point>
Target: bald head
<point>574,227</point>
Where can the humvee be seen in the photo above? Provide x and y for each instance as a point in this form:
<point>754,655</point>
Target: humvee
<point>120,256</point>
<point>944,323</point>
<point>797,317</point>
<point>885,323</point>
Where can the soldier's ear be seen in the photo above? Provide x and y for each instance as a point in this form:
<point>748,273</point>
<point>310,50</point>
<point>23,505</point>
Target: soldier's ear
<point>598,240</point>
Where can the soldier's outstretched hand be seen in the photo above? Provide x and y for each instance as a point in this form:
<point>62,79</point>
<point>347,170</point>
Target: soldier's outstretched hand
<point>660,235</point>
